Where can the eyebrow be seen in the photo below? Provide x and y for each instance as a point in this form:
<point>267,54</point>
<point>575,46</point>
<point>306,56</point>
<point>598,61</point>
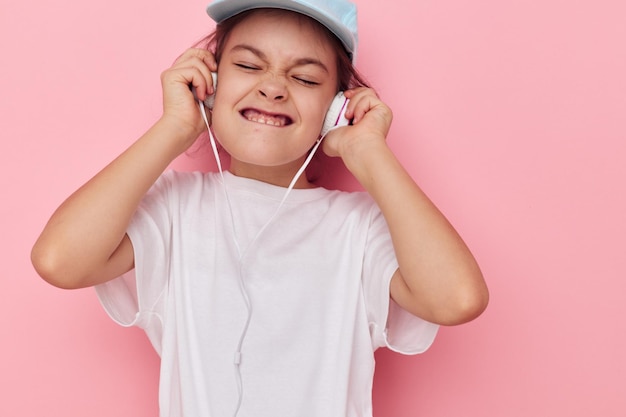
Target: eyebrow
<point>261,55</point>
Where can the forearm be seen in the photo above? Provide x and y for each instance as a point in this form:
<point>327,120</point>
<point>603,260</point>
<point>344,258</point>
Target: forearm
<point>87,229</point>
<point>439,279</point>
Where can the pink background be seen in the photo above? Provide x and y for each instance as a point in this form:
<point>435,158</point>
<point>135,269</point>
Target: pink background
<point>510,114</point>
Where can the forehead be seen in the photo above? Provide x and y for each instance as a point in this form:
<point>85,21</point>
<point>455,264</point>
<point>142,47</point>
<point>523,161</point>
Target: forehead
<point>284,32</point>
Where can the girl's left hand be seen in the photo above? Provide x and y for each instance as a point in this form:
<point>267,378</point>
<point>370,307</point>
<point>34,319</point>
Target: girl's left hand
<point>371,120</point>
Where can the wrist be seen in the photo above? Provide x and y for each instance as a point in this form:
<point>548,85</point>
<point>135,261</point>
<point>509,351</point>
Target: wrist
<point>368,155</point>
<point>177,134</point>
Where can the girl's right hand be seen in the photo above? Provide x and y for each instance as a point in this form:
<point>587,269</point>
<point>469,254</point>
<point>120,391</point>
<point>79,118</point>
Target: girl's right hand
<point>192,68</point>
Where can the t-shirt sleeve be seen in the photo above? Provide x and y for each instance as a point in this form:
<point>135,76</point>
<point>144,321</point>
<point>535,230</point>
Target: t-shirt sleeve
<point>390,325</point>
<point>137,298</point>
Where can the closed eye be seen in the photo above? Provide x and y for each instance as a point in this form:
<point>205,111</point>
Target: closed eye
<point>247,67</point>
<point>305,81</point>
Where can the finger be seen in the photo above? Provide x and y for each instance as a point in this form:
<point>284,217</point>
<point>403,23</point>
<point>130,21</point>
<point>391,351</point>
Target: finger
<point>177,82</point>
<point>201,75</point>
<point>359,97</point>
<point>360,105</point>
<point>204,55</point>
<point>206,87</point>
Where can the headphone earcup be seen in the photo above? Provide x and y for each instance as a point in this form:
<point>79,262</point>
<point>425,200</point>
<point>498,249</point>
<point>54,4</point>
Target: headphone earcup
<point>336,114</point>
<point>210,100</point>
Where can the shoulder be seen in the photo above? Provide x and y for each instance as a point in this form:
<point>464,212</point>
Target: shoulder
<point>183,181</point>
<point>186,178</point>
<point>353,201</point>
<point>175,188</point>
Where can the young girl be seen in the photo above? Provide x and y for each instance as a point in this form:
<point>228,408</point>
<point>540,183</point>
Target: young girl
<point>264,294</point>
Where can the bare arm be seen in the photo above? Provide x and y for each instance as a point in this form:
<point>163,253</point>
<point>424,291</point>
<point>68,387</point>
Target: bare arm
<point>438,278</point>
<point>85,241</point>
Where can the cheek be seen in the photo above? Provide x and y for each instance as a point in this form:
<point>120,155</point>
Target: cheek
<point>216,117</point>
<point>220,124</point>
<point>318,119</point>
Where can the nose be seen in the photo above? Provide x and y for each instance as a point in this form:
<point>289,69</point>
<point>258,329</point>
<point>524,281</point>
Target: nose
<point>273,89</point>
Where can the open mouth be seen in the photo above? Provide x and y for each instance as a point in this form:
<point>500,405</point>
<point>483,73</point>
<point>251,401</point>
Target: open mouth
<point>256,116</point>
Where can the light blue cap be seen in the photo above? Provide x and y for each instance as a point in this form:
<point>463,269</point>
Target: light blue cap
<point>339,16</point>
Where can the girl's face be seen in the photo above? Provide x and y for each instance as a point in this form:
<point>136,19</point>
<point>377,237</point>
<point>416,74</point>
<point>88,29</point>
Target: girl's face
<point>277,78</point>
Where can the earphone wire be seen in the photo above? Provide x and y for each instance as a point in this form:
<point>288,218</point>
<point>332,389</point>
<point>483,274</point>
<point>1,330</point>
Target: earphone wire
<point>242,284</point>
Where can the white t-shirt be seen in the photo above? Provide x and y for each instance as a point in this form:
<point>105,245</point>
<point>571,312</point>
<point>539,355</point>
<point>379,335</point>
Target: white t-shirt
<point>317,280</point>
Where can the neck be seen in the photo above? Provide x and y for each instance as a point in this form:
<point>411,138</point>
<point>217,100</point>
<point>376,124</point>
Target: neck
<point>278,175</point>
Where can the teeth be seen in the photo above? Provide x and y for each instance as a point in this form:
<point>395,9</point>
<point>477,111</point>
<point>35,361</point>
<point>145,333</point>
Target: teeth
<point>265,119</point>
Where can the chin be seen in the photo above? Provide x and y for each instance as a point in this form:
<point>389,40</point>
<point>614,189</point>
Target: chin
<point>264,150</point>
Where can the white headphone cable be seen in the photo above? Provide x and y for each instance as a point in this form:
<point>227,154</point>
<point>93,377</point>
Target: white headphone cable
<point>242,285</point>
